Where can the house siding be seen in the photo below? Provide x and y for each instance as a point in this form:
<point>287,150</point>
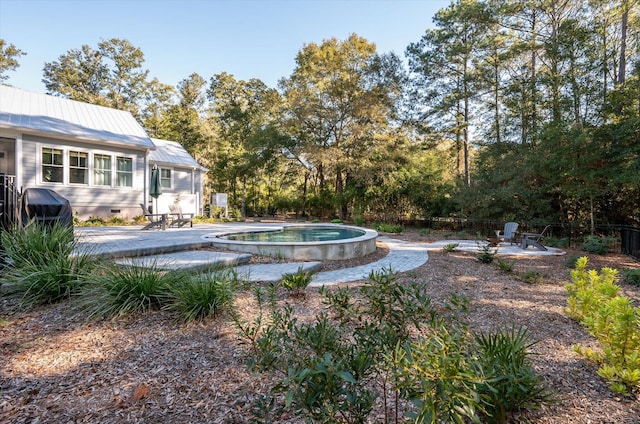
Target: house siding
<point>87,200</point>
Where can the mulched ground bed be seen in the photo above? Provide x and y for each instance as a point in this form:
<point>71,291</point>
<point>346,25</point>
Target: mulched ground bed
<point>57,368</point>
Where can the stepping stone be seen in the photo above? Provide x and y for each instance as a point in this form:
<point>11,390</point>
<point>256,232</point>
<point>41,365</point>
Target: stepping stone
<point>273,272</point>
<point>192,260</point>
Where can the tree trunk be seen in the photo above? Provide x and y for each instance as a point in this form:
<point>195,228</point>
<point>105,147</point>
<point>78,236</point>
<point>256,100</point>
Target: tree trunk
<point>244,196</point>
<point>623,44</point>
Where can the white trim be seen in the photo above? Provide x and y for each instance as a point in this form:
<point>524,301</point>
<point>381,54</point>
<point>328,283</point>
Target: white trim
<point>90,158</point>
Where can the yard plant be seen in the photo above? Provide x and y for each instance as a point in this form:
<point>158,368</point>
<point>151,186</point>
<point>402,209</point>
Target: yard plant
<point>43,267</point>
<point>595,302</point>
<point>389,342</point>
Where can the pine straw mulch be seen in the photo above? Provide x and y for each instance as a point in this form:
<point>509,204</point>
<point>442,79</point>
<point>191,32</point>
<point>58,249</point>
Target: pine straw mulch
<point>57,368</point>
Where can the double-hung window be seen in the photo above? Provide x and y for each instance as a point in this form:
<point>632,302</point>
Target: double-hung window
<point>78,167</point>
<point>101,170</point>
<point>124,172</point>
<point>165,178</point>
<point>52,166</point>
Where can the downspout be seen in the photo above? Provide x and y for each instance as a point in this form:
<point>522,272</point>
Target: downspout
<point>18,162</point>
<point>145,183</point>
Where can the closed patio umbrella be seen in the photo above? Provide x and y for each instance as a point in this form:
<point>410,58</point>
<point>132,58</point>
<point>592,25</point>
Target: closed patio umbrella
<point>155,189</point>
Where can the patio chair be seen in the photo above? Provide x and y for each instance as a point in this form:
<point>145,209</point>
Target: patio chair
<point>179,218</point>
<point>155,219</point>
<point>509,233</point>
<point>534,239</point>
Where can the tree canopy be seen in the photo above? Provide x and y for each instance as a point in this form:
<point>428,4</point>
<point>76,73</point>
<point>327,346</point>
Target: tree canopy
<point>518,110</point>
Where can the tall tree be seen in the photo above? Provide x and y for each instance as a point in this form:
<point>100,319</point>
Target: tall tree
<point>240,112</point>
<point>110,76</point>
<point>340,97</point>
<point>442,61</point>
<point>9,55</point>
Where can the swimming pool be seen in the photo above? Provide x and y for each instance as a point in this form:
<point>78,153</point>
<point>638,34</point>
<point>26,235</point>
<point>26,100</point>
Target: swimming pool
<point>306,241</point>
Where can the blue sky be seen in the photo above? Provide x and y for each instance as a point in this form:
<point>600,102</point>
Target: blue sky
<point>246,38</point>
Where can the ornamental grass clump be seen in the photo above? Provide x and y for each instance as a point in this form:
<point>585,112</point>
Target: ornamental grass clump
<point>118,290</point>
<point>202,296</point>
<point>42,265</point>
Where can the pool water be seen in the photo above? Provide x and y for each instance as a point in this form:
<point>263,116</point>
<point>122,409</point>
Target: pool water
<point>298,234</point>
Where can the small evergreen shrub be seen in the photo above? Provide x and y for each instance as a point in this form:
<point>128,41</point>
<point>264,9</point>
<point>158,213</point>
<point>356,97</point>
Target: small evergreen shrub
<point>598,245</point>
<point>612,319</point>
<point>297,282</point>
<point>531,277</point>
<point>388,228</point>
<point>358,220</point>
<point>125,289</point>
<point>202,296</point>
<point>337,221</point>
<point>450,247</point>
<point>557,242</point>
<point>632,276</point>
<point>505,266</point>
<point>42,265</point>
<point>485,254</point>
<point>571,261</point>
<point>512,382</point>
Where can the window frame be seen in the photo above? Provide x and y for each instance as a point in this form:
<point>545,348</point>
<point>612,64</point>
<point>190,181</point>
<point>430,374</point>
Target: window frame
<point>169,178</point>
<point>66,166</point>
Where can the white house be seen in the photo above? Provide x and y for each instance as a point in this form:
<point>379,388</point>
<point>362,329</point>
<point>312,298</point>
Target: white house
<point>97,157</point>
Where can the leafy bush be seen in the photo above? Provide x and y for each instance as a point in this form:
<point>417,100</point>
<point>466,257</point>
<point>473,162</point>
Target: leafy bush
<point>388,228</point>
<point>202,296</point>
<point>390,339</point>
<point>485,255</point>
<point>512,382</point>
<point>42,265</point>
<point>124,289</point>
<point>531,277</point>
<point>598,245</point>
<point>505,266</point>
<point>557,242</point>
<point>359,220</point>
<point>571,261</point>
<point>632,276</point>
<point>612,319</point>
<point>450,247</point>
<point>337,221</point>
<point>298,281</point>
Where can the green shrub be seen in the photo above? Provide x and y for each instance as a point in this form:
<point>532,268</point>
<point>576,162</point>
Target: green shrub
<point>557,242</point>
<point>612,319</point>
<point>531,277</point>
<point>450,247</point>
<point>42,265</point>
<point>202,296</point>
<point>337,221</point>
<point>632,276</point>
<point>358,220</point>
<point>571,261</point>
<point>390,338</point>
<point>125,289</point>
<point>598,245</point>
<point>511,381</point>
<point>505,266</point>
<point>388,228</point>
<point>298,281</point>
<point>486,255</point>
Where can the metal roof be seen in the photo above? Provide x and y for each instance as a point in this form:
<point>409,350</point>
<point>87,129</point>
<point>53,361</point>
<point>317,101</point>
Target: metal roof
<point>58,117</point>
<point>172,153</point>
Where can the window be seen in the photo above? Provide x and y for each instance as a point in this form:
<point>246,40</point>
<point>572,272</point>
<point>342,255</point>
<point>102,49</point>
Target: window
<point>124,172</point>
<point>165,178</point>
<point>101,170</point>
<point>51,165</point>
<point>78,168</point>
